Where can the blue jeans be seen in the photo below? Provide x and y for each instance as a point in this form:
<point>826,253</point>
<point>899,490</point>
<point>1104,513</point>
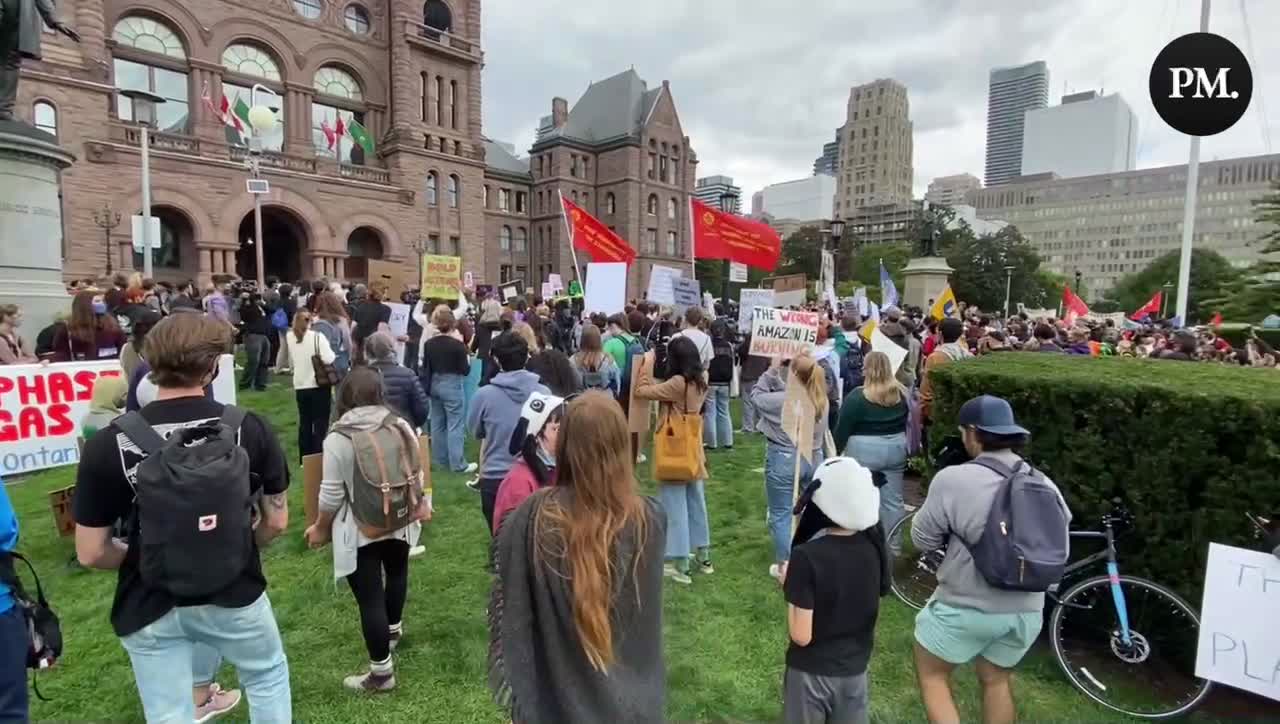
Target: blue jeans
<point>164,658</point>
<point>779,469</point>
<point>13,666</point>
<point>887,455</point>
<point>687,526</point>
<point>748,407</point>
<point>717,426</point>
<point>447,425</point>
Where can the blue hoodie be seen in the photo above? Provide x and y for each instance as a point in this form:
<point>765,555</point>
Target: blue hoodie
<point>495,411</point>
<point>8,541</point>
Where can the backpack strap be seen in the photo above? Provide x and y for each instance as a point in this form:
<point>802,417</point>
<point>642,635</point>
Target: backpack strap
<point>139,431</point>
<point>232,418</point>
<point>9,577</point>
<point>996,466</point>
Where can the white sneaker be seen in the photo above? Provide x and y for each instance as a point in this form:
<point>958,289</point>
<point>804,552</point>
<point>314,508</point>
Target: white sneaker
<point>416,551</point>
<point>675,574</point>
<point>471,469</point>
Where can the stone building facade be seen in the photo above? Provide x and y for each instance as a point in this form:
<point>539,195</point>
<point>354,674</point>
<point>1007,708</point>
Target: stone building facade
<point>408,71</point>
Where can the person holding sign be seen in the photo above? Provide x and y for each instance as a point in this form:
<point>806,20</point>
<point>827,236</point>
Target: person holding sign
<point>783,471</point>
<point>680,397</point>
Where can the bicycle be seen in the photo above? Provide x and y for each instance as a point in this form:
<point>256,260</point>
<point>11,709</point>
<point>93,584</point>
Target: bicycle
<point>1126,642</point>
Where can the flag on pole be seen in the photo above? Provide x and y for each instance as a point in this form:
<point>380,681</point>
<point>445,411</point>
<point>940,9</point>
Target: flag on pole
<point>1148,309</point>
<point>341,128</point>
<point>888,290</point>
<point>222,111</point>
<point>945,306</point>
<point>328,132</point>
<point>875,312</point>
<point>593,237</point>
<point>359,135</point>
<point>240,111</point>
<point>720,235</point>
<point>1073,306</point>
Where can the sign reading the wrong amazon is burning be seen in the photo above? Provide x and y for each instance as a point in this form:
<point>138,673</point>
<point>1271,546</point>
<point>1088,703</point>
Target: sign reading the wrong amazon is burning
<point>782,332</point>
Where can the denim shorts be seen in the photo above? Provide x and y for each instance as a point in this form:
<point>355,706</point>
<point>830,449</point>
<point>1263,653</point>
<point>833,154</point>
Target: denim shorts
<point>957,635</point>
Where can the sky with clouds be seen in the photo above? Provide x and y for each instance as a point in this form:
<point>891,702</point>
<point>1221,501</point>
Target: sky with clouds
<point>760,86</point>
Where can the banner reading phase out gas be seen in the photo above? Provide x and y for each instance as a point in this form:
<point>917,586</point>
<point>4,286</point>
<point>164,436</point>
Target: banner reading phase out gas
<point>782,332</point>
<point>40,412</point>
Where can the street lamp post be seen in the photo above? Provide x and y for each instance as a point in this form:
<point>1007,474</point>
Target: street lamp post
<point>144,114</point>
<point>420,245</point>
<point>107,220</point>
<point>837,232</point>
<point>262,120</point>
<point>1164,298</point>
<point>1008,288</point>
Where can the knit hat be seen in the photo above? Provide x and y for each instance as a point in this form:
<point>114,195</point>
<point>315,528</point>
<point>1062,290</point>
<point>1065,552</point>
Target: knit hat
<point>533,415</point>
<point>842,489</point>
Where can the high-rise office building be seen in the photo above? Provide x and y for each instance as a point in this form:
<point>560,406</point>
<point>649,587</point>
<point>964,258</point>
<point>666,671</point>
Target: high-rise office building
<point>875,148</point>
<point>718,190</point>
<point>1087,135</point>
<point>806,199</point>
<point>951,190</point>
<point>1011,93</point>
<point>829,161</point>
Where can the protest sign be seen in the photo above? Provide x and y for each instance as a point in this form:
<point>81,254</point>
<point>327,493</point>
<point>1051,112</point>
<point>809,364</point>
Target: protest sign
<point>556,282</point>
<point>548,291</point>
<point>468,281</point>
<point>788,291</point>
<point>748,300</point>
<point>880,342</point>
<point>782,332</point>
<point>511,290</point>
<point>399,326</point>
<point>1239,641</point>
<point>441,276</point>
<point>42,407</point>
<point>660,279</point>
<point>606,291</point>
<point>737,273</point>
<point>685,293</point>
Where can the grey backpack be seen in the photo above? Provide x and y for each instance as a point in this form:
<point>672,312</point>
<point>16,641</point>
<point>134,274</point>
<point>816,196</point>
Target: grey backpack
<point>384,494</point>
<point>1024,545</point>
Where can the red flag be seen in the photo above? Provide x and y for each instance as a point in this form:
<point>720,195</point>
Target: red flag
<point>329,135</point>
<point>1072,305</point>
<point>1217,319</point>
<point>1148,309</point>
<point>720,235</point>
<point>340,130</point>
<point>594,237</point>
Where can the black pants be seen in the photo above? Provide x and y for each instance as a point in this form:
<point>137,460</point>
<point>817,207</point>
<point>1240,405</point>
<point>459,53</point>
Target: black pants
<point>313,418</point>
<point>489,499</point>
<point>257,351</point>
<point>13,666</point>
<point>381,604</point>
<point>273,340</point>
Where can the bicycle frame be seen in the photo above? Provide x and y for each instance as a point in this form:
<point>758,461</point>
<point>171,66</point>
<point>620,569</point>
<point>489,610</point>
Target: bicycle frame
<point>1113,572</point>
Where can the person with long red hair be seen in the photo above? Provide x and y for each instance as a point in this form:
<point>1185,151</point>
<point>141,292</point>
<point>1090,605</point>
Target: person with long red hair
<point>90,334</point>
<point>575,617</point>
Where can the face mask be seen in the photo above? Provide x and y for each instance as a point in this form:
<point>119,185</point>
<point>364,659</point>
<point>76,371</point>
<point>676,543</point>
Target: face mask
<point>99,307</point>
<point>546,458</point>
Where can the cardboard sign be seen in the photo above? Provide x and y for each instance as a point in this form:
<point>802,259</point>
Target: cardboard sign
<point>881,343</point>
<point>685,293</point>
<point>606,291</point>
<point>782,332</point>
<point>789,291</point>
<point>313,473</point>
<point>396,276</point>
<point>737,272</point>
<point>556,282</point>
<point>399,325</point>
<point>748,300</point>
<point>661,279</point>
<point>1239,641</point>
<point>548,291</point>
<point>441,276</point>
<point>512,289</point>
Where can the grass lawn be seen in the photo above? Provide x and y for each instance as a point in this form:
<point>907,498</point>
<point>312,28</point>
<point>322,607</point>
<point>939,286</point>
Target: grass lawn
<point>725,634</point>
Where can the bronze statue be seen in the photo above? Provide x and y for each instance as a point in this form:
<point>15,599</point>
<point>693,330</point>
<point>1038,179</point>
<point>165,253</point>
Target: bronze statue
<point>20,29</point>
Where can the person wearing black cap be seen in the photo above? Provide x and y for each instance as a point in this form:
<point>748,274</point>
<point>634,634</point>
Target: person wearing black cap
<point>968,619</point>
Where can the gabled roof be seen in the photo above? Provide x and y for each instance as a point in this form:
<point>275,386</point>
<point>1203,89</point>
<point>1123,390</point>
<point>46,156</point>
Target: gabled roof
<point>615,107</point>
<point>498,158</point>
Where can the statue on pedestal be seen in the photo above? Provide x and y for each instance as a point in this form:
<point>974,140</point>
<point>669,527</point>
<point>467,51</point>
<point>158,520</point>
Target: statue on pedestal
<point>20,29</point>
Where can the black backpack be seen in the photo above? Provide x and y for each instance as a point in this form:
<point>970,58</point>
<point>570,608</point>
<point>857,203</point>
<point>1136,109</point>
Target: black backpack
<point>720,370</point>
<point>659,337</point>
<point>1025,543</point>
<point>194,502</point>
<point>44,632</point>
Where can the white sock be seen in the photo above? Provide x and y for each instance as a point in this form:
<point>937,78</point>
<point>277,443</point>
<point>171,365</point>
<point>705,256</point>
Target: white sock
<point>381,668</point>
<point>396,628</point>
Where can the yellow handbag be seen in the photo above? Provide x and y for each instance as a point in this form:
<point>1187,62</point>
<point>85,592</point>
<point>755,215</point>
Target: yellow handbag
<point>677,447</point>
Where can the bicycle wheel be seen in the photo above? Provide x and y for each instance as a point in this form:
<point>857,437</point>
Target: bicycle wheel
<point>912,571</point>
<point>1152,676</point>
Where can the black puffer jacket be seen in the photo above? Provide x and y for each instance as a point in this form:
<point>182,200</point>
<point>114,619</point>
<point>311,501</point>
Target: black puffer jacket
<point>403,392</point>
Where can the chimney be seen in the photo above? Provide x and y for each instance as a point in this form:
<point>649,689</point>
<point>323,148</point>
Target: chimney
<point>559,112</point>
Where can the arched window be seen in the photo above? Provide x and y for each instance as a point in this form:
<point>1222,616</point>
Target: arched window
<point>504,239</point>
<point>522,240</point>
<point>671,208</point>
<point>254,64</point>
<point>653,205</point>
<point>151,57</point>
<point>485,198</point>
<point>336,83</point>
<point>610,203</point>
<point>309,9</point>
<point>453,191</point>
<point>45,117</point>
<point>356,19</point>
<point>436,14</point>
<point>575,196</point>
<point>433,188</point>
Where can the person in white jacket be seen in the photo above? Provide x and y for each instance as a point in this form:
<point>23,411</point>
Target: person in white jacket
<point>314,400</point>
<point>424,310</point>
<point>377,569</point>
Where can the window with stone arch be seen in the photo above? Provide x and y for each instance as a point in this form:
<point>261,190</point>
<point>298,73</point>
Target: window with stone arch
<point>247,64</point>
<point>433,188</point>
<point>522,240</point>
<point>437,15</point>
<point>504,238</point>
<point>336,82</point>
<point>610,203</point>
<point>45,117</point>
<point>653,205</point>
<point>150,56</point>
<point>252,61</point>
<point>339,96</point>
<point>452,189</point>
<point>671,208</point>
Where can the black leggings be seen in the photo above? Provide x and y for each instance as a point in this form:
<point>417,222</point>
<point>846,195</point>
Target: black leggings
<point>313,417</point>
<point>380,604</point>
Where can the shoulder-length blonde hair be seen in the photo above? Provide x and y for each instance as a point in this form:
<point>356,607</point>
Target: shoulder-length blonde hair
<point>879,385</point>
<point>524,330</point>
<point>595,503</point>
<point>814,380</point>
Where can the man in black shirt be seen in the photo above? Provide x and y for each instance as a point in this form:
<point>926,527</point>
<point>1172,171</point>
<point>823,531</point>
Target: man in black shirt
<point>255,323</point>
<point>173,643</point>
<point>833,583</point>
<point>368,317</point>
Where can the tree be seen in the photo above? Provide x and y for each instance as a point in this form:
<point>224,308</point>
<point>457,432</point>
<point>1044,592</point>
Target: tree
<point>980,277</point>
<point>864,271</point>
<point>802,253</point>
<point>1211,274</point>
<point>1255,293</point>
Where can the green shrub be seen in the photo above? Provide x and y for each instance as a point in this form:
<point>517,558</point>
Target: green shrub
<point>1190,447</point>
<point>1237,333</point>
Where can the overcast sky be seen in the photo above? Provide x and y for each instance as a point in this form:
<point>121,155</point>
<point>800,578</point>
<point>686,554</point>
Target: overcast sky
<point>760,86</point>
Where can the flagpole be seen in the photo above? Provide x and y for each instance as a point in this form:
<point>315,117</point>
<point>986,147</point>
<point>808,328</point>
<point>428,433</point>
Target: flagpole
<point>568,229</point>
<point>338,155</point>
<point>693,254</point>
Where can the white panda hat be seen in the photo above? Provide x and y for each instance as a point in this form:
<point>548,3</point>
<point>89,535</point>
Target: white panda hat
<point>844,491</point>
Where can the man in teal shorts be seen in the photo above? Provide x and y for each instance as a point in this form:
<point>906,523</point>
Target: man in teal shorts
<point>968,619</point>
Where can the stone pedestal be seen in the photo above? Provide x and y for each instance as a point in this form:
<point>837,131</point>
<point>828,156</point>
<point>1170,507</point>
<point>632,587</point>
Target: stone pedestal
<point>926,277</point>
<point>31,225</point>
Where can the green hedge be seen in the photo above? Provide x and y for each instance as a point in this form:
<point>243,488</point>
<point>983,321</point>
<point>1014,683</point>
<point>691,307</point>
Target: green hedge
<point>1236,334</point>
<point>1190,447</point>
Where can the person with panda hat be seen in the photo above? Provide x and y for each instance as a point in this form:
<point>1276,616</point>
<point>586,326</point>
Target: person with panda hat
<point>533,443</point>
